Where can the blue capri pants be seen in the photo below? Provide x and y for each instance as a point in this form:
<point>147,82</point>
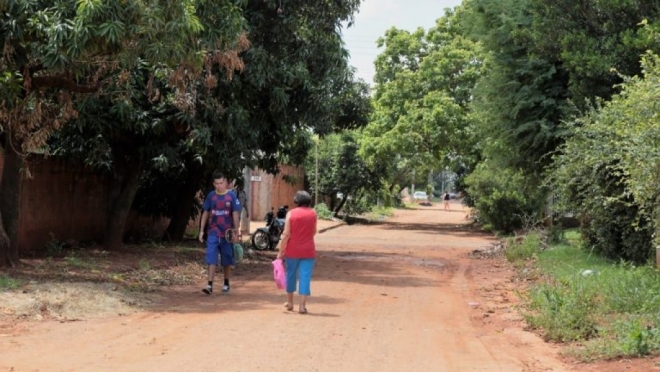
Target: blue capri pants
<point>299,270</point>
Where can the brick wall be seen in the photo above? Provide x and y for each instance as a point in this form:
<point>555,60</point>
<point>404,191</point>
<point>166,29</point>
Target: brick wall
<point>69,200</point>
<point>268,191</point>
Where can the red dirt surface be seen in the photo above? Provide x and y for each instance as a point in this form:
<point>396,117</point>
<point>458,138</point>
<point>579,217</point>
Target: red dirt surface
<point>400,295</point>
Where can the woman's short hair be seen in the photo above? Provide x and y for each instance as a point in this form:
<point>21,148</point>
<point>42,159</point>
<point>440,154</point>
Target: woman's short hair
<point>302,198</point>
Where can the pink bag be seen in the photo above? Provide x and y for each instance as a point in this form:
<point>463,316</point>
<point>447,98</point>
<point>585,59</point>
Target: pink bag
<point>279,274</point>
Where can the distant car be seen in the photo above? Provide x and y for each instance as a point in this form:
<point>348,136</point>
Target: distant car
<point>420,196</point>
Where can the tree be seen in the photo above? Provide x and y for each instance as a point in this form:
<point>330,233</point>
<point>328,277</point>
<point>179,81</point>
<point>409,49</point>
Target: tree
<point>548,61</point>
<point>595,41</point>
<point>521,97</point>
<point>610,168</point>
<point>56,49</point>
<point>296,81</point>
<point>257,117</point>
<point>341,171</point>
<point>421,118</point>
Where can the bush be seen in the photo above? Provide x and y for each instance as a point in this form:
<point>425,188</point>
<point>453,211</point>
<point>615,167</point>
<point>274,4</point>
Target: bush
<point>357,205</point>
<point>613,224</point>
<point>323,212</point>
<point>502,197</point>
<point>616,231</point>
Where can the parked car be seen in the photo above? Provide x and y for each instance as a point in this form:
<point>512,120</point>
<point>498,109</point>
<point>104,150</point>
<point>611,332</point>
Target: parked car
<point>420,196</point>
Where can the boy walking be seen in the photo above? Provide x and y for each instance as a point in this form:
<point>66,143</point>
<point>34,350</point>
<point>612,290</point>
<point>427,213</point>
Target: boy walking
<point>221,210</point>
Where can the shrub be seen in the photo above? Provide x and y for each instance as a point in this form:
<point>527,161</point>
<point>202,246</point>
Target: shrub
<point>523,248</point>
<point>7,282</point>
<point>563,311</point>
<point>502,197</point>
<point>613,225</point>
<point>323,212</point>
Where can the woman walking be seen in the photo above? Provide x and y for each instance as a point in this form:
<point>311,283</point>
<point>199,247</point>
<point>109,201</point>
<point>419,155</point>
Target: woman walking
<point>298,249</point>
<point>446,198</point>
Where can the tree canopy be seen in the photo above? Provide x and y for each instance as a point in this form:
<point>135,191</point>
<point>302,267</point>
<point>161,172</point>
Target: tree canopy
<point>423,89</point>
<point>175,87</point>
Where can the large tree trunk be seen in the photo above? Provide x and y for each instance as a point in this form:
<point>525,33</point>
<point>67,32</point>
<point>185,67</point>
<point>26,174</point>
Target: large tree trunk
<point>8,257</point>
<point>341,205</point>
<point>125,184</point>
<point>9,201</point>
<point>185,203</point>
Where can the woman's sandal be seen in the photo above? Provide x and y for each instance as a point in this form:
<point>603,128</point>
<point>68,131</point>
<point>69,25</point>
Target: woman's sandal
<point>302,310</point>
<point>288,306</point>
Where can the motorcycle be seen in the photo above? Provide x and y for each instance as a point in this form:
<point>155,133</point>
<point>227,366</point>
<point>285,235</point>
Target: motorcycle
<point>268,237</point>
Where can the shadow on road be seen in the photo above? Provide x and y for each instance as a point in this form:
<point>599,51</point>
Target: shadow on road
<point>433,228</point>
<point>256,289</point>
<point>375,269</point>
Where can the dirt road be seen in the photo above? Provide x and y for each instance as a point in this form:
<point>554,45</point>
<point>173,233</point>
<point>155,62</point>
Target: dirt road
<point>397,296</point>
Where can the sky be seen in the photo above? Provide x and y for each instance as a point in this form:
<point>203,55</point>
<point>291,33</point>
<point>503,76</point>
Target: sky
<point>377,16</point>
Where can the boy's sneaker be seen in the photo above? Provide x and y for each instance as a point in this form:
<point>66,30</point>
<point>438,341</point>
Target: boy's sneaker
<point>208,290</point>
<point>225,288</point>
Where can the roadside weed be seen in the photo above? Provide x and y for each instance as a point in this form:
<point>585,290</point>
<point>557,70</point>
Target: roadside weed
<point>522,248</point>
<point>564,311</point>
<point>79,262</point>
<point>612,309</point>
<point>323,212</point>
<point>7,282</point>
<point>144,265</point>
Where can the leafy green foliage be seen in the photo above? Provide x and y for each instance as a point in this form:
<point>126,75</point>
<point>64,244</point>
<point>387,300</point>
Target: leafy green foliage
<point>502,197</point>
<point>423,83</point>
<point>54,48</point>
<point>342,170</point>
<point>520,250</point>
<point>323,212</point>
<point>595,40</point>
<point>611,308</point>
<point>609,169</point>
<point>7,282</point>
<point>521,97</point>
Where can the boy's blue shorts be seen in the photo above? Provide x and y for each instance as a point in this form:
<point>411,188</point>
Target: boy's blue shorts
<point>215,245</point>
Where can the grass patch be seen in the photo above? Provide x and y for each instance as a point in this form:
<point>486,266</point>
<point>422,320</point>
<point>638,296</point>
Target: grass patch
<point>379,213</point>
<point>602,309</point>
<point>521,249</point>
<point>8,283</point>
<point>145,265</point>
<point>80,263</point>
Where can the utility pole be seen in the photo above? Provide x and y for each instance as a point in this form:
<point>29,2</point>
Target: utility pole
<point>412,187</point>
<point>247,188</point>
<point>442,175</point>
